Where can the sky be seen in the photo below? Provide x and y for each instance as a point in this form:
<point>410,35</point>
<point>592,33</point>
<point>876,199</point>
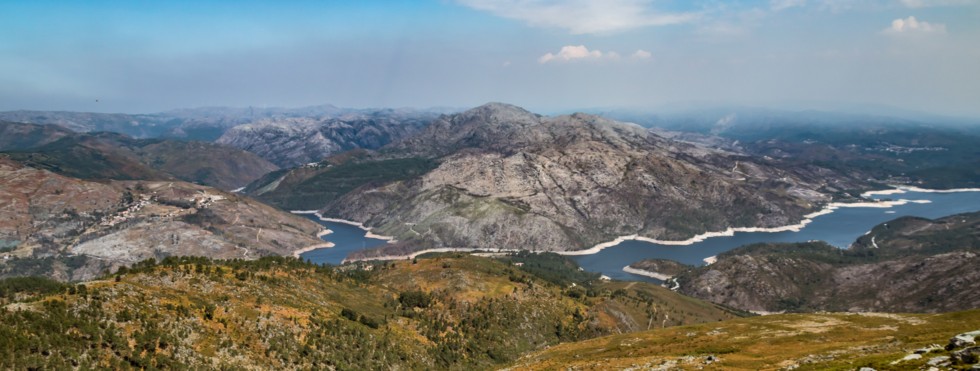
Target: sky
<point>544,55</point>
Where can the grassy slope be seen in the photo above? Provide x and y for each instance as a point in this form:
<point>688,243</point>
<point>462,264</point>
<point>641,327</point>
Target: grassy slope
<point>812,341</point>
<point>284,314</point>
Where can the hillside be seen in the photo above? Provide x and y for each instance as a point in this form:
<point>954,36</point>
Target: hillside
<point>453,312</point>
<point>115,156</point>
<point>291,142</point>
<point>70,229</point>
<point>905,265</point>
<point>824,341</point>
<point>19,136</point>
<point>508,178</point>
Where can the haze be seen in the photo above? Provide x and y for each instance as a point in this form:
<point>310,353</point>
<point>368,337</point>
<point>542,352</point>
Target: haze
<point>547,56</point>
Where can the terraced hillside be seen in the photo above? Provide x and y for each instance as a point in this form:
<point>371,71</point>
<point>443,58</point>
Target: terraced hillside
<point>454,311</point>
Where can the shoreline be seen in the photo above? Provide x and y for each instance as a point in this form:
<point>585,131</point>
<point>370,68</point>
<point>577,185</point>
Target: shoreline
<point>646,273</point>
<point>296,254</point>
<point>420,252</point>
<point>906,189</point>
<point>807,219</point>
<point>390,239</point>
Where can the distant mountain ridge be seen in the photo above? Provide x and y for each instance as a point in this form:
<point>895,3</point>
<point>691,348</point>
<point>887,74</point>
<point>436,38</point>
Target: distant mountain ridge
<point>106,155</point>
<point>292,142</point>
<point>204,123</point>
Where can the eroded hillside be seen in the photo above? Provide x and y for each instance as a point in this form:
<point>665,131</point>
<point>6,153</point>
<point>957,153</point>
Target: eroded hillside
<point>71,229</point>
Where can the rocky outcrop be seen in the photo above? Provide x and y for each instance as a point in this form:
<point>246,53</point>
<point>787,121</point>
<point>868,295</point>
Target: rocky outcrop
<point>512,179</point>
<point>292,142</point>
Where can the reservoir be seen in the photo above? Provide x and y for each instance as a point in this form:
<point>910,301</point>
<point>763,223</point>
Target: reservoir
<point>839,228</point>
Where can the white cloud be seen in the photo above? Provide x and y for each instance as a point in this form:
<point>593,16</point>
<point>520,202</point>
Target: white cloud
<point>581,16</point>
<point>910,25</point>
<point>640,54</point>
<point>928,3</point>
<point>783,4</point>
<point>506,64</point>
<point>572,52</point>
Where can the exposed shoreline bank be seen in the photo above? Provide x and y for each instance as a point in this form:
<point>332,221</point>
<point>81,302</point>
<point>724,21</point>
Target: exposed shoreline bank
<point>307,249</point>
<point>420,252</point>
<point>641,272</point>
<point>390,239</point>
<point>827,209</point>
<point>807,219</point>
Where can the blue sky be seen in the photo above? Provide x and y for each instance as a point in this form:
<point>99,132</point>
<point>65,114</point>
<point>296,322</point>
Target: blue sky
<point>545,55</point>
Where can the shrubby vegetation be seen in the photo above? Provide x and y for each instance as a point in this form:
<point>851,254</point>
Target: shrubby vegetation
<point>557,269</point>
<point>337,181</point>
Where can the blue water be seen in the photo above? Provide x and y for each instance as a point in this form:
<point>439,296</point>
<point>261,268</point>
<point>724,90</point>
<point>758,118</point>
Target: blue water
<point>839,228</point>
<point>345,237</point>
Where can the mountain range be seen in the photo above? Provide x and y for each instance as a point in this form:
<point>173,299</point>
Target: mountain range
<point>510,179</point>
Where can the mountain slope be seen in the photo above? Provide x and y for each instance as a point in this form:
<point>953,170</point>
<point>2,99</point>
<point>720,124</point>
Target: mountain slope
<point>290,142</point>
<point>20,136</point>
<point>71,229</point>
<point>453,312</point>
<point>107,155</point>
<point>905,265</point>
<point>508,178</point>
<point>826,341</point>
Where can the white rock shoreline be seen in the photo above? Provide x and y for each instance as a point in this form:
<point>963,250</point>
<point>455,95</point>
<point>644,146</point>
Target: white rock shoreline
<point>807,219</point>
<point>641,272</point>
<point>390,239</point>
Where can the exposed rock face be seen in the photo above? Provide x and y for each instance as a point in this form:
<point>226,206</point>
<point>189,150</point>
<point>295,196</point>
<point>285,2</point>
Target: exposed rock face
<point>919,265</point>
<point>513,179</point>
<point>292,142</point>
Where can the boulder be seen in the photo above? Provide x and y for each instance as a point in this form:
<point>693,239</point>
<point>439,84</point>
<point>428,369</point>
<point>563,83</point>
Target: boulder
<point>911,357</point>
<point>867,369</point>
<point>937,360</point>
<point>966,354</point>
<point>964,339</point>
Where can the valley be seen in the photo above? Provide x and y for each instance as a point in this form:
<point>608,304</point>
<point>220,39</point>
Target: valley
<point>493,238</point>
